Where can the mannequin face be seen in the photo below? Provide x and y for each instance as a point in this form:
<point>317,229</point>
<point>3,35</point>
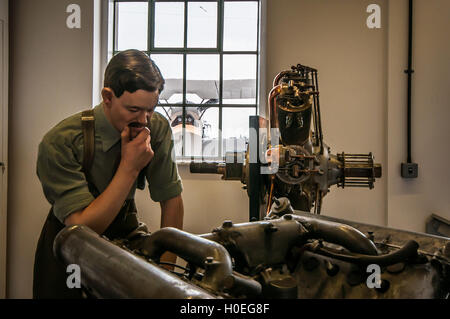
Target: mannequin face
<point>130,109</point>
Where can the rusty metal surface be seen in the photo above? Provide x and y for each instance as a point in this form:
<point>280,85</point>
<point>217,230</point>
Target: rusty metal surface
<point>388,238</point>
<point>314,280</point>
<point>296,256</point>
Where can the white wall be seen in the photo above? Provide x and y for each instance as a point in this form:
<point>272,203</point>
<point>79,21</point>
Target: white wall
<point>363,101</point>
<point>410,202</point>
<point>51,77</point>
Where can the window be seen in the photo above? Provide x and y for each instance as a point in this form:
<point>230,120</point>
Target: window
<point>208,53</point>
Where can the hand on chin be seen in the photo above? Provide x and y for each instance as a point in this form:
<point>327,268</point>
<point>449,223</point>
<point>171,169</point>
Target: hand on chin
<point>135,131</point>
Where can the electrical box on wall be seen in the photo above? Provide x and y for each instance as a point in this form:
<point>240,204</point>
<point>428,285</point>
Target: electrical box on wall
<point>410,170</point>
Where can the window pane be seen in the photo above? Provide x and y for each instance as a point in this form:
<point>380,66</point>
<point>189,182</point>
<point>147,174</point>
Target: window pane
<point>132,25</point>
<point>202,25</point>
<point>240,26</point>
<point>166,112</point>
<point>203,77</point>
<point>239,79</point>
<point>235,123</point>
<point>169,24</point>
<point>202,131</point>
<point>171,66</point>
<point>175,117</point>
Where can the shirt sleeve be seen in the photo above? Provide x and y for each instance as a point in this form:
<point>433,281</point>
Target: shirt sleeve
<point>162,173</point>
<point>63,182</point>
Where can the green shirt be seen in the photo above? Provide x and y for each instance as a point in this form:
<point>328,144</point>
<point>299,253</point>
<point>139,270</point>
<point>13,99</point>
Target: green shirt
<point>60,158</point>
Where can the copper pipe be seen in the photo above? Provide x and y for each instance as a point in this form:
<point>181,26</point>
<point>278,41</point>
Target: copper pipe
<point>273,114</point>
<point>273,124</point>
<point>270,195</point>
<point>278,77</point>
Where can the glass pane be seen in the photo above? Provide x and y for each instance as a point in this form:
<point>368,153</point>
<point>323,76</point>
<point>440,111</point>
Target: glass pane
<point>169,24</point>
<point>240,26</point>
<point>239,79</point>
<point>132,25</point>
<point>166,112</point>
<point>235,123</point>
<point>202,25</point>
<point>175,116</point>
<point>203,77</point>
<point>171,66</point>
<point>202,131</point>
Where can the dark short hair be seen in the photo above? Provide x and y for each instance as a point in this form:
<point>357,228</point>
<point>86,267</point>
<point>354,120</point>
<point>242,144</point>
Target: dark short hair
<point>132,70</point>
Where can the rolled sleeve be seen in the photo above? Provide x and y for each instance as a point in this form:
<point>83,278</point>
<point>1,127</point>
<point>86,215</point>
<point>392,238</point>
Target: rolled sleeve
<point>162,173</point>
<point>63,182</point>
<point>170,191</point>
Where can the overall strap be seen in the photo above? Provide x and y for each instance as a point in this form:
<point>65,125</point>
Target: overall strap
<point>126,220</point>
<point>88,124</point>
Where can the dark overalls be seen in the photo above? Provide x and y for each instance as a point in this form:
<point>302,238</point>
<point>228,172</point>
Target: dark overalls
<point>50,274</point>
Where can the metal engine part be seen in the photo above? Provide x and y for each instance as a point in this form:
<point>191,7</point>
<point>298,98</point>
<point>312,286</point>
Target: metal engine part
<point>299,255</point>
<point>300,165</point>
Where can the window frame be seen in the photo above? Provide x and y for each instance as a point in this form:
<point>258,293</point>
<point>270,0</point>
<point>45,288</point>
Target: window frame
<point>185,51</point>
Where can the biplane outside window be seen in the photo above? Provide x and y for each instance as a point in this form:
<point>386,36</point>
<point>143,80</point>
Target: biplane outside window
<point>208,54</point>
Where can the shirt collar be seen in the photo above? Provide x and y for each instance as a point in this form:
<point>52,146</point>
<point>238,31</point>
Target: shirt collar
<point>104,129</point>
